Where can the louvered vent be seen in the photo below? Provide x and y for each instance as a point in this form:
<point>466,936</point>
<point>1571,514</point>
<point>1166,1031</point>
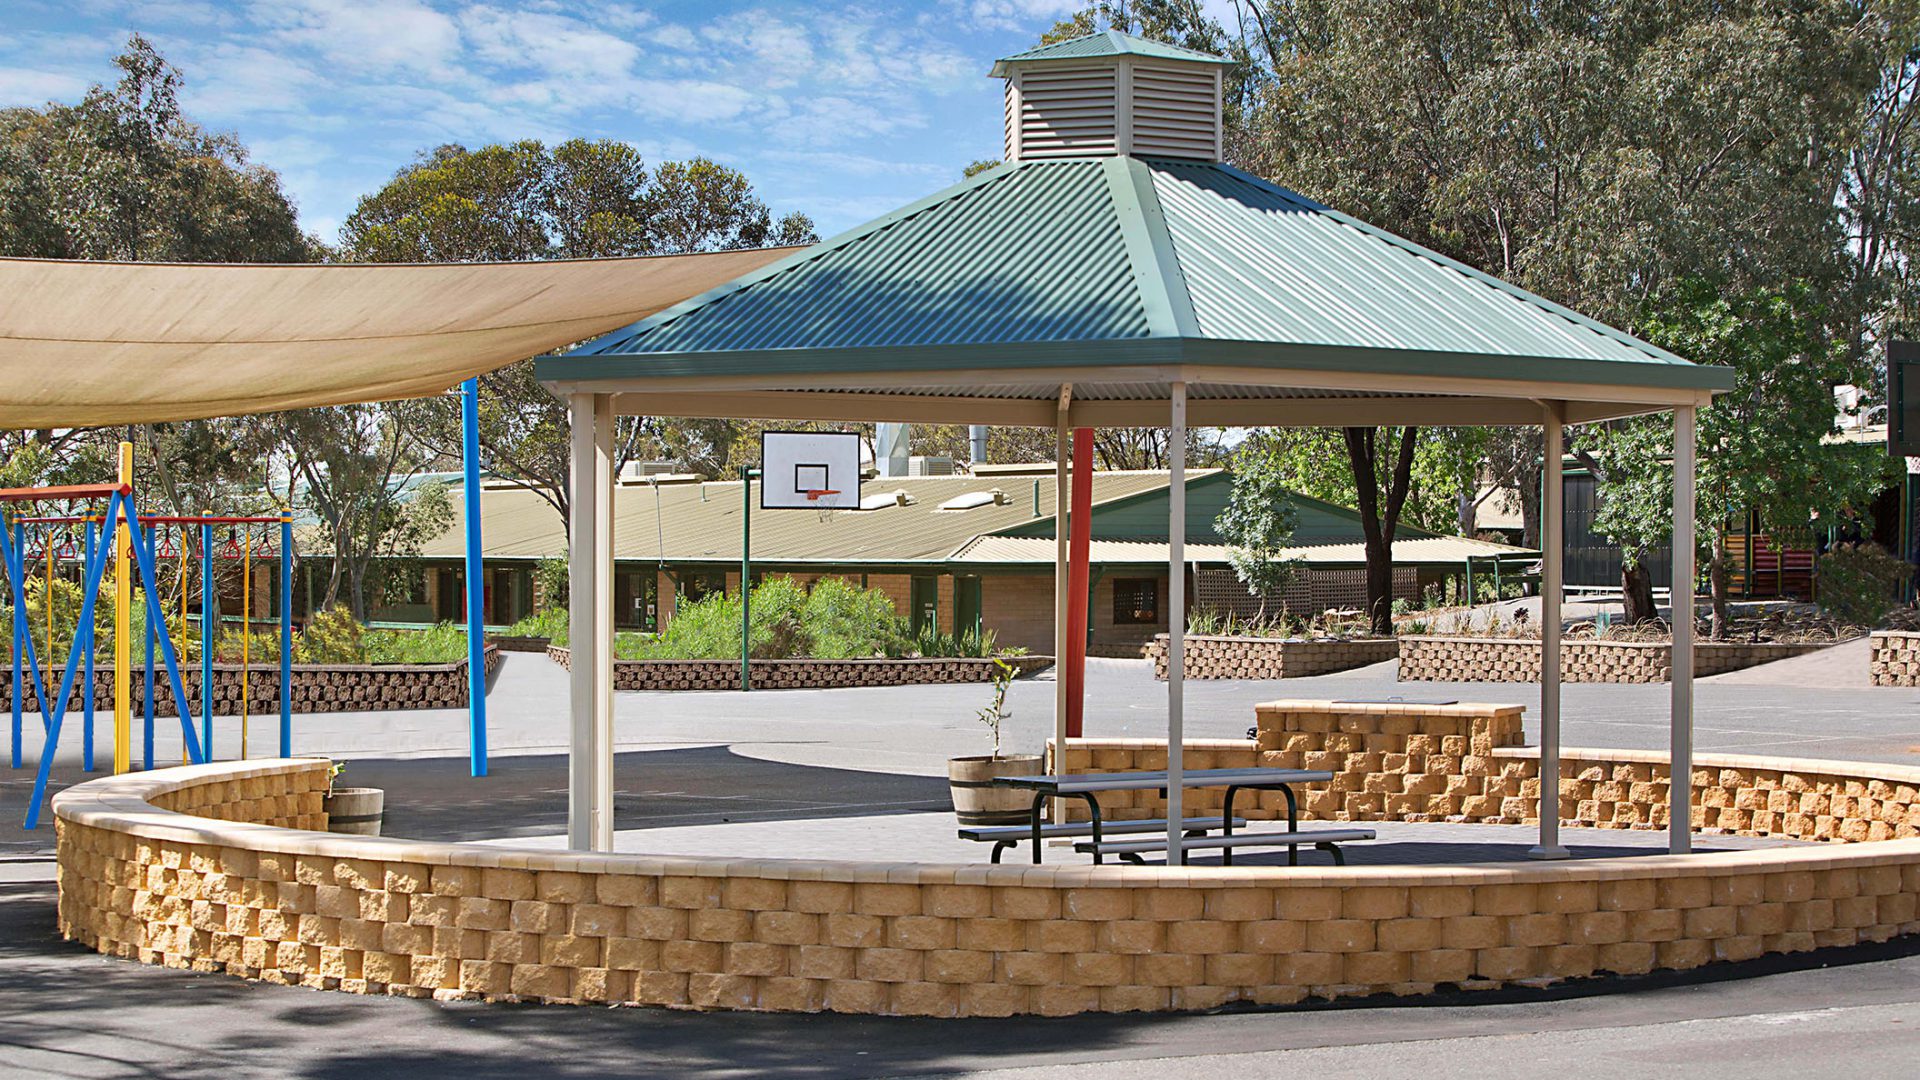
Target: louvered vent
<point>1067,112</point>
<point>1069,104</point>
<point>1176,113</point>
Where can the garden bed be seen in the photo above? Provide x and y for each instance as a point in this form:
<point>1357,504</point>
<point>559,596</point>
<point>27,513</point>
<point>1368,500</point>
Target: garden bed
<point>1490,659</point>
<point>1225,656</point>
<point>317,688</point>
<point>1895,658</point>
<point>803,674</point>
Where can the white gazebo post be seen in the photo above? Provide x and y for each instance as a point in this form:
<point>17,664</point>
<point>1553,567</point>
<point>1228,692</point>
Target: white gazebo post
<point>1176,621</point>
<point>590,624</point>
<point>1552,554</point>
<point>1061,438</point>
<point>1680,768</point>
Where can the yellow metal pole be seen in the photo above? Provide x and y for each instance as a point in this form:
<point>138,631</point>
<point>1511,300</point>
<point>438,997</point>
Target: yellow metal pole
<point>122,636</point>
<point>246,628</point>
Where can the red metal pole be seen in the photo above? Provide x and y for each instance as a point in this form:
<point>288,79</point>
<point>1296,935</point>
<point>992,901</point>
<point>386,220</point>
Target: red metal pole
<point>1079,574</point>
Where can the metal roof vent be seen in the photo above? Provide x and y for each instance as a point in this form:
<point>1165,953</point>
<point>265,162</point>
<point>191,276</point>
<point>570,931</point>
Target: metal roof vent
<point>1112,93</point>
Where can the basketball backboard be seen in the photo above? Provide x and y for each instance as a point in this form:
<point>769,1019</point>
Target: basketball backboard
<point>810,470</point>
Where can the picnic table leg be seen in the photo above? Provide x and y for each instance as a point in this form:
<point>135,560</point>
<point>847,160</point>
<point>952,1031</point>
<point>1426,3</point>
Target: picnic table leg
<point>1033,817</point>
<point>1293,824</point>
<point>1226,824</point>
<point>1093,809</point>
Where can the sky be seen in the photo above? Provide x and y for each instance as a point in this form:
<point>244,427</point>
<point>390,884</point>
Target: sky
<point>840,109</point>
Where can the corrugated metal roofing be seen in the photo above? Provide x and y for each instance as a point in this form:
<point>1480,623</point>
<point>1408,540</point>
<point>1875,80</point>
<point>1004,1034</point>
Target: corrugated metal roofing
<point>1264,264</point>
<point>1111,261</point>
<point>950,272</point>
<point>1436,550</point>
<point>1107,43</point>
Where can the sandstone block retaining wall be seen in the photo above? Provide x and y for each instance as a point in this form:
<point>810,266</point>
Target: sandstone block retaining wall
<point>146,873</point>
<point>1478,659</point>
<point>1463,763</point>
<point>1895,658</point>
<point>316,688</point>
<point>802,674</point>
<point>1220,656</point>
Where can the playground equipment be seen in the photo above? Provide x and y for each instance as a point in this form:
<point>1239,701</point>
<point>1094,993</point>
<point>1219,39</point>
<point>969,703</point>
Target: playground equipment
<point>146,538</point>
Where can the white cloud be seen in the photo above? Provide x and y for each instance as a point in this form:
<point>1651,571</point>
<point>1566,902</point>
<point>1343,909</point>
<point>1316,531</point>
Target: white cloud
<point>365,35</point>
<point>20,86</point>
<point>1032,16</point>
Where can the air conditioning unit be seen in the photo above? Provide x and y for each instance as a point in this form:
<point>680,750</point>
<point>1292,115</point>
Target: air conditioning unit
<point>930,466</point>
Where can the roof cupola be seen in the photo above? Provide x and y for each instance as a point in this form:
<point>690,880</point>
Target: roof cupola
<point>1112,93</point>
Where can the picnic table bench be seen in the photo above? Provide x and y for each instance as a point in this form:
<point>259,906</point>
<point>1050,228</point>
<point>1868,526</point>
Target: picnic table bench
<point>1006,836</point>
<point>1086,786</point>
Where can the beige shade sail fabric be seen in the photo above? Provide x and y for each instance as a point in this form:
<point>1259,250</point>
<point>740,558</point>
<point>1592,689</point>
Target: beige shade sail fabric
<point>84,343</point>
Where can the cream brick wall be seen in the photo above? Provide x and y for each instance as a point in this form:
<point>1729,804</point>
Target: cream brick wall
<point>1895,658</point>
<point>1019,610</point>
<point>1473,659</point>
<point>146,872</point>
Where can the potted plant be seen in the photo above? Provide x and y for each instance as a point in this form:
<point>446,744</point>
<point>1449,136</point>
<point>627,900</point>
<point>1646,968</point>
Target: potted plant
<point>977,800</point>
<point>356,810</point>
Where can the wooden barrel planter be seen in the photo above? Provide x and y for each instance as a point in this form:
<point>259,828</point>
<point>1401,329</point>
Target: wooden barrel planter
<point>977,800</point>
<point>356,810</point>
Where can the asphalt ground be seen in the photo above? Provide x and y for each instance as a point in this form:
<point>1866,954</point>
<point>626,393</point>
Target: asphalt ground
<point>689,759</point>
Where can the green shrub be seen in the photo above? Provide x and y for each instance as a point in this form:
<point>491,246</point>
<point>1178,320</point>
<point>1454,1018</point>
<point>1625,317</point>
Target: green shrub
<point>548,623</point>
<point>835,621</point>
<point>1860,583</point>
<point>550,577</point>
<point>442,644</point>
<point>332,636</point>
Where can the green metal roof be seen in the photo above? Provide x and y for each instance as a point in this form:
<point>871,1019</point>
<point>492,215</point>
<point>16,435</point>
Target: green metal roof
<point>1116,260</point>
<point>1106,43</point>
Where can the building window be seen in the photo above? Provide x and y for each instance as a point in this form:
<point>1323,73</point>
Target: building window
<point>1136,601</point>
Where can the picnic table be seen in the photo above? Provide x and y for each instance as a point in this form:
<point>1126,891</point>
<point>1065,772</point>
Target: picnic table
<point>1086,786</point>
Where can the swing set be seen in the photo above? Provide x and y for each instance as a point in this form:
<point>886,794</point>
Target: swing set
<point>144,541</point>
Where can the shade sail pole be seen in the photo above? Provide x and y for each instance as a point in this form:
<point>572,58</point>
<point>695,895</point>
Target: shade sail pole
<point>1176,622</point>
<point>590,624</point>
<point>1552,563</point>
<point>1060,496</point>
<point>476,580</point>
<point>1680,786</point>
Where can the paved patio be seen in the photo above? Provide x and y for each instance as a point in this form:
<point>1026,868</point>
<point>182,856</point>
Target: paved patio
<point>931,837</point>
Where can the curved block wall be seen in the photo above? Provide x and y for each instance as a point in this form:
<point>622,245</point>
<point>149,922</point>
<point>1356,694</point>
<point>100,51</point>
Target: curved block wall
<point>208,867</point>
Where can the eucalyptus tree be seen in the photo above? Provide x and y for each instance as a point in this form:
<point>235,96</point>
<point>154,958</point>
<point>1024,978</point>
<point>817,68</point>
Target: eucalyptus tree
<point>578,199</point>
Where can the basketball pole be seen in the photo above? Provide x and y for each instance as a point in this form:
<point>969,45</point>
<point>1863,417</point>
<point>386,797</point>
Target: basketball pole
<point>746,576</point>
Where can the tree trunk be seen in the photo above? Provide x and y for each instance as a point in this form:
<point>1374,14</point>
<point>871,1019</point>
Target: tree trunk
<point>1380,589</point>
<point>1466,511</point>
<point>1530,507</point>
<point>1717,584</point>
<point>1636,593</point>
<point>1379,517</point>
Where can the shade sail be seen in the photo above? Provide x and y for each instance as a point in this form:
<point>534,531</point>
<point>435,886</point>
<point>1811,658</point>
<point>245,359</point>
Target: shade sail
<point>113,343</point>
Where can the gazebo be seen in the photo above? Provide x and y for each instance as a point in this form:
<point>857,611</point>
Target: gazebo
<point>1113,272</point>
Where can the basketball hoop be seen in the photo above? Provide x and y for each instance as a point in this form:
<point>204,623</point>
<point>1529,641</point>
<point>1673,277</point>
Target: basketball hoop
<point>814,494</point>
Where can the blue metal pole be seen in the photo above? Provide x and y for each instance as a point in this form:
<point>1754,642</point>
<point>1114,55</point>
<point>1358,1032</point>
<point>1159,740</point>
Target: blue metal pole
<point>19,620</point>
<point>143,551</point>
<point>56,712</point>
<point>209,611</point>
<point>146,702</point>
<point>476,593</point>
<point>85,634</point>
<point>286,635</point>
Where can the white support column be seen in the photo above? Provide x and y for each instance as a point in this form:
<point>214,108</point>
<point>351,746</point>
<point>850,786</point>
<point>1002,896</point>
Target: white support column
<point>1176,621</point>
<point>1680,789</point>
<point>590,624</point>
<point>1553,551</point>
<point>1062,438</point>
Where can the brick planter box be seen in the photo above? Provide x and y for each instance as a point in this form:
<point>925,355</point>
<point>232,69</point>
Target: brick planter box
<point>1219,656</point>
<point>519,643</point>
<point>1473,659</point>
<point>317,688</point>
<point>801,674</point>
<point>1896,658</point>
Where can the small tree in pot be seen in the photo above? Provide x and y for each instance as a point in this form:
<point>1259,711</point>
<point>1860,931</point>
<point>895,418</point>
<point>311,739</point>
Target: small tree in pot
<point>977,800</point>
